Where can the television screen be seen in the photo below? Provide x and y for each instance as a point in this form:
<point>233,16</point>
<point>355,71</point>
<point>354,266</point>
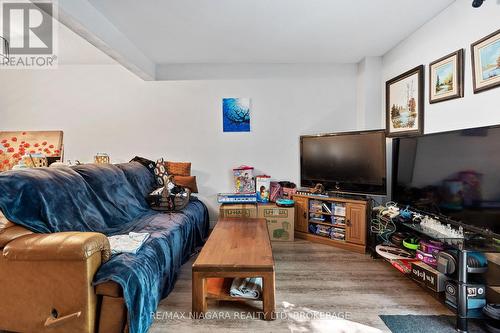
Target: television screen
<point>347,162</point>
<point>456,174</point>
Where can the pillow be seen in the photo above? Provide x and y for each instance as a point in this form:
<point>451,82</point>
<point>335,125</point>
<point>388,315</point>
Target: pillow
<point>161,173</point>
<point>144,161</point>
<point>178,168</point>
<point>186,181</point>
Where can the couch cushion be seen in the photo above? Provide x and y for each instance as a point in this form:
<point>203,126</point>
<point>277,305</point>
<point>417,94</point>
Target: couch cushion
<point>9,231</point>
<point>178,168</point>
<point>4,223</point>
<point>9,234</point>
<point>187,181</point>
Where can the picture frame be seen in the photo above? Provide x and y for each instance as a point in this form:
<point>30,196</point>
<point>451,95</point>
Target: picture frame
<point>446,77</point>
<point>485,62</point>
<point>404,103</point>
<point>236,114</point>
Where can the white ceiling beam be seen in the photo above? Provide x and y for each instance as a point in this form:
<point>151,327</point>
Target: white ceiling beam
<point>86,21</point>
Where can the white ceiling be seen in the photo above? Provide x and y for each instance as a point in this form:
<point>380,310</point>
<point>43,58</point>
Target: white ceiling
<point>266,31</point>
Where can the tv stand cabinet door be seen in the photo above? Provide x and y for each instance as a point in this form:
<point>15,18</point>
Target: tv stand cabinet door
<point>301,220</point>
<point>356,224</point>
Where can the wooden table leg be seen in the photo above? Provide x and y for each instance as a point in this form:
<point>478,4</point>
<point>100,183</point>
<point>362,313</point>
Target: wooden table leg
<point>199,294</point>
<point>268,296</point>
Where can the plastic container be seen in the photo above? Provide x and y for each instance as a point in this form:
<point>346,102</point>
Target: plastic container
<point>244,182</point>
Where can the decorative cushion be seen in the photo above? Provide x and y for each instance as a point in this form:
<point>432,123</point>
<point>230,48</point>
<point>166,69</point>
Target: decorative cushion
<point>178,168</point>
<point>144,161</point>
<point>186,181</point>
<point>161,173</point>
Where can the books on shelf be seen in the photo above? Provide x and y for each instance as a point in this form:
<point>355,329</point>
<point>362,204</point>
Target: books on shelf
<point>339,210</point>
<point>326,231</point>
<point>338,220</point>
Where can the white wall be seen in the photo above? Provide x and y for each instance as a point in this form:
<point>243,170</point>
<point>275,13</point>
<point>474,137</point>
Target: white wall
<point>456,27</point>
<point>105,108</point>
<point>368,97</point>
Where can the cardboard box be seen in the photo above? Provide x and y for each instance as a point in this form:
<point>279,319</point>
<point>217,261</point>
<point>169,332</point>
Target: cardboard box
<point>427,275</point>
<point>280,221</point>
<point>238,210</point>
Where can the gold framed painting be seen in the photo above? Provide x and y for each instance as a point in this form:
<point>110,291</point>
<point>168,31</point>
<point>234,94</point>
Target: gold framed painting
<point>486,62</point>
<point>404,103</point>
<point>446,77</point>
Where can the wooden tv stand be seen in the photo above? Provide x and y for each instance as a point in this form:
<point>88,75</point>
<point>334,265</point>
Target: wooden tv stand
<point>349,217</point>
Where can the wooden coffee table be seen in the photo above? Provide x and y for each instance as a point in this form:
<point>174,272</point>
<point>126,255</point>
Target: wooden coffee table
<point>236,248</point>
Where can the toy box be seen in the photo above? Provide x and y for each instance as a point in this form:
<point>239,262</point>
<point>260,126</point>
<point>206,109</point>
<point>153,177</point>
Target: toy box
<point>280,221</point>
<point>244,182</point>
<point>263,184</point>
<point>427,275</point>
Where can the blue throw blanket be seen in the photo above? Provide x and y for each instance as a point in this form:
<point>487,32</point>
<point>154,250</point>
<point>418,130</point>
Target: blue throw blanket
<point>110,199</point>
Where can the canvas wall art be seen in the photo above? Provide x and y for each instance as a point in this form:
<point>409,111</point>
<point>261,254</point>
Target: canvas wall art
<point>236,114</point>
<point>405,103</point>
<point>486,62</point>
<point>14,145</point>
<point>446,79</point>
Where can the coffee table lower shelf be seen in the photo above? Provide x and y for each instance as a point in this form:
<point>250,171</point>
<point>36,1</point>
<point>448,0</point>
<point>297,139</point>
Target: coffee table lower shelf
<point>215,286</point>
<point>218,289</point>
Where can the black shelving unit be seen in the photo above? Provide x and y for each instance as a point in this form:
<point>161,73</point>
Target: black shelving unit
<point>475,240</point>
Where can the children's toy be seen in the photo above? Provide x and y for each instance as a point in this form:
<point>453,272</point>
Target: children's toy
<point>263,184</point>
<point>244,181</point>
<point>284,203</point>
<point>276,192</point>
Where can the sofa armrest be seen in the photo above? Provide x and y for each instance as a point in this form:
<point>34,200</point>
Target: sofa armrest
<point>7,235</point>
<point>58,246</point>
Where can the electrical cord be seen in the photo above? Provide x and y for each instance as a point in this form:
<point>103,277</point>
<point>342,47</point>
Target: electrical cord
<point>382,226</point>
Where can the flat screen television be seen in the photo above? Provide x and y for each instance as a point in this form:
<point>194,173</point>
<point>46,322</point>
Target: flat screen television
<point>456,174</point>
<point>353,162</point>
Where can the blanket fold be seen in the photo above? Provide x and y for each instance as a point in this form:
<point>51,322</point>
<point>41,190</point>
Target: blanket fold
<point>250,288</point>
<point>130,243</point>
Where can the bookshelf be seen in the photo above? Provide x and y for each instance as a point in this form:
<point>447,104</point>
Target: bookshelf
<point>334,221</point>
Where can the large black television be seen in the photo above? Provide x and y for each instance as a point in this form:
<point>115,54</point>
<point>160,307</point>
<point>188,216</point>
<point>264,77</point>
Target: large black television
<point>351,162</point>
<point>456,174</point>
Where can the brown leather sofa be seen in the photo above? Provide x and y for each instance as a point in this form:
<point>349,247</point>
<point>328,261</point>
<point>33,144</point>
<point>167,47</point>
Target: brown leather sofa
<point>46,283</point>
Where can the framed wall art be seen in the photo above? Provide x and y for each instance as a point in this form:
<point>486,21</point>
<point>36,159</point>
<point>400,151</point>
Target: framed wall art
<point>404,99</point>
<point>236,114</point>
<point>16,144</point>
<point>486,62</point>
<point>446,77</point>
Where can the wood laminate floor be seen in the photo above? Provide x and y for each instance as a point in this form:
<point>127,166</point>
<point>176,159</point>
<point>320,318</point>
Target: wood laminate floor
<point>314,283</point>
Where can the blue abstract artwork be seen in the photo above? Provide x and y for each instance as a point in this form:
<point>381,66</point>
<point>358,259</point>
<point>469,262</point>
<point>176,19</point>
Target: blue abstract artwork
<point>236,114</point>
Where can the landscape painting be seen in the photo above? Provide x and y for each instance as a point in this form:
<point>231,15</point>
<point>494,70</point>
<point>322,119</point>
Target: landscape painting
<point>490,60</point>
<point>404,103</point>
<point>486,62</point>
<point>446,77</point>
<point>236,114</point>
